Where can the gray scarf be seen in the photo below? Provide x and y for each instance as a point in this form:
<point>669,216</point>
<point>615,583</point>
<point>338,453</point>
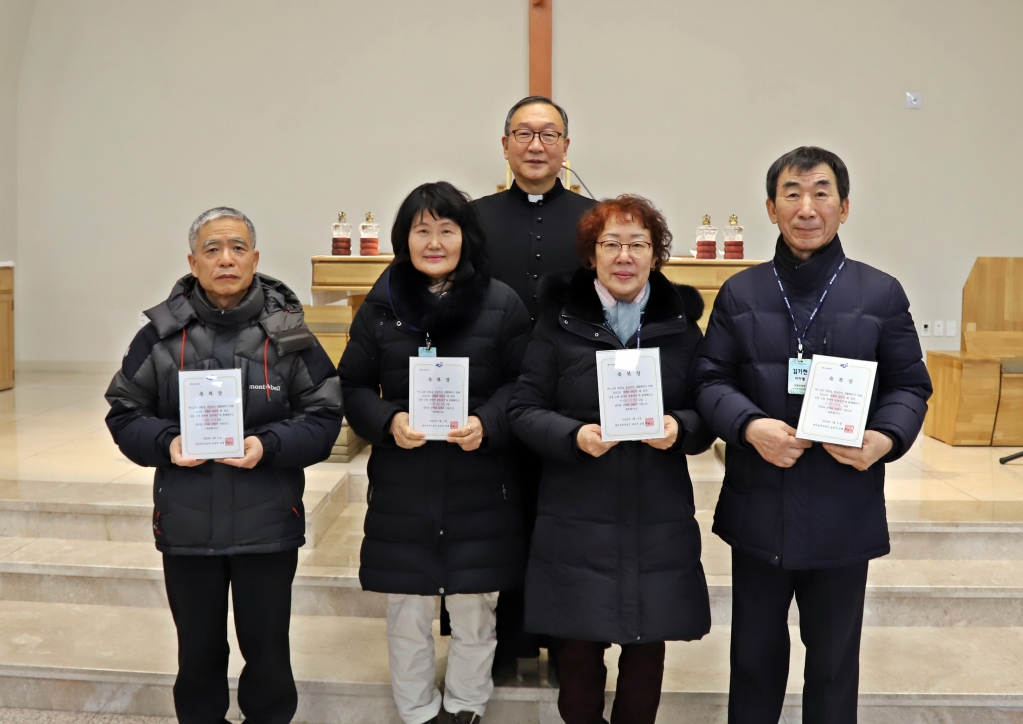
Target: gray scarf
<point>623,317</point>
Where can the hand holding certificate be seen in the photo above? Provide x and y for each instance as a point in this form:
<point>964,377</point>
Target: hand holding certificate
<point>631,401</point>
<point>438,395</point>
<point>212,422</point>
<point>837,401</point>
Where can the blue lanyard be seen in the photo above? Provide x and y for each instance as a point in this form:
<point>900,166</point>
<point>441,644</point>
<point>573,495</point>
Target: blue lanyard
<point>801,337</point>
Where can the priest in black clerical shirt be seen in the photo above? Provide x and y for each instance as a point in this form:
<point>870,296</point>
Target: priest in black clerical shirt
<point>531,227</point>
<point>530,232</point>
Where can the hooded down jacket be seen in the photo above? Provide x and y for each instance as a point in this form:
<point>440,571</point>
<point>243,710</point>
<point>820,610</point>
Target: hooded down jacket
<point>818,513</point>
<point>441,520</point>
<point>292,404</point>
<point>615,555</point>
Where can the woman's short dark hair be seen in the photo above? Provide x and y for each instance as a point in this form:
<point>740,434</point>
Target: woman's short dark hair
<point>442,201</point>
<point>624,208</point>
<point>807,158</point>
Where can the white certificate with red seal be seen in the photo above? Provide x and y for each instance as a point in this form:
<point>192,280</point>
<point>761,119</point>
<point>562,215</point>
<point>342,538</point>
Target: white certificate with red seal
<point>438,395</point>
<point>212,420</point>
<point>837,400</point>
<point>631,401</point>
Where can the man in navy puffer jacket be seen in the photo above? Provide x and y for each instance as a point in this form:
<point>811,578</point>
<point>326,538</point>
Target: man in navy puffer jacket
<point>804,519</point>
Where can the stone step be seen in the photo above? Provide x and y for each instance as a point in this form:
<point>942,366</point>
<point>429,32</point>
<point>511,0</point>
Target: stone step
<point>123,511</point>
<point>130,573</point>
<point>899,592</point>
<point>122,660</point>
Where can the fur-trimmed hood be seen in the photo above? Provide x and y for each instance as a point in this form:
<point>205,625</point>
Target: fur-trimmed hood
<point>406,291</point>
<point>573,293</point>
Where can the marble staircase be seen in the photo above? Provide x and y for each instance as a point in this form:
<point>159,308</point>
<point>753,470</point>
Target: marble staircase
<point>84,624</point>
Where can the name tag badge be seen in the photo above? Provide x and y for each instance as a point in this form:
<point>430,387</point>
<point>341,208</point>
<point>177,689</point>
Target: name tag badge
<point>432,352</point>
<point>799,371</point>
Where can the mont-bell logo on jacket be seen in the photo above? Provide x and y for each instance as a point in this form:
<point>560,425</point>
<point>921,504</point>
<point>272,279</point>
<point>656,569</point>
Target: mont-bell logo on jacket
<point>273,388</point>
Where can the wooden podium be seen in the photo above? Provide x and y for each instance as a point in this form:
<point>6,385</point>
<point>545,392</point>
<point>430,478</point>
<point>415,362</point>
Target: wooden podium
<point>978,391</point>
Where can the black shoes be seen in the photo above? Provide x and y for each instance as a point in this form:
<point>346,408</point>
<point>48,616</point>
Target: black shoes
<point>462,717</point>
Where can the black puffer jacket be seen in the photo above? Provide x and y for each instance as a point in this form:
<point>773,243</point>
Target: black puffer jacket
<point>819,513</point>
<point>616,552</point>
<point>440,520</point>
<point>216,509</point>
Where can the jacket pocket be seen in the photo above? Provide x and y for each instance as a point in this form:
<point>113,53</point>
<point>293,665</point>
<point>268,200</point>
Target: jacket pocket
<point>162,489</point>
<point>291,498</point>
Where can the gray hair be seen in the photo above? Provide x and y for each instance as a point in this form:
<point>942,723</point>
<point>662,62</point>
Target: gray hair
<point>530,100</point>
<point>219,212</point>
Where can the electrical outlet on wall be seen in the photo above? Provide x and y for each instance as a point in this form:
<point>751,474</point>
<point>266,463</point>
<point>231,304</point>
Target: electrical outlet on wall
<point>925,329</point>
<point>950,328</point>
<point>939,328</point>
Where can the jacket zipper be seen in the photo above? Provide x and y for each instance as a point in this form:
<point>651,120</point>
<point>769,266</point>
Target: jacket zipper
<point>603,328</point>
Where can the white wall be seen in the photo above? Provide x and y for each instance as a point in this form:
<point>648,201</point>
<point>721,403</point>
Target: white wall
<point>15,16</point>
<point>135,116</point>
<point>690,102</point>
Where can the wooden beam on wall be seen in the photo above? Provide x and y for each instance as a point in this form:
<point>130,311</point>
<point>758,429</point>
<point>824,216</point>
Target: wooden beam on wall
<point>540,53</point>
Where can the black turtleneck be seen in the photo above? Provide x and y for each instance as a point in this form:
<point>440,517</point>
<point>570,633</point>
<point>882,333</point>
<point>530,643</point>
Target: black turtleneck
<point>528,239</point>
<point>799,275</point>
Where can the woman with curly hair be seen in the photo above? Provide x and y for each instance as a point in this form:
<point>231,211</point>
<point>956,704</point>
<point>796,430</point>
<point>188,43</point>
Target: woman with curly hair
<point>615,557</point>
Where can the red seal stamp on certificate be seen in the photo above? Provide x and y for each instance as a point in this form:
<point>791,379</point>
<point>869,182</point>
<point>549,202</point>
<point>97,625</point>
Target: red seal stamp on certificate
<point>454,424</point>
<point>229,441</point>
<point>849,429</point>
<point>649,422</point>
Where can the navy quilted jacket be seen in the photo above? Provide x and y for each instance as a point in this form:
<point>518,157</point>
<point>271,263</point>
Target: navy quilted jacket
<point>819,513</point>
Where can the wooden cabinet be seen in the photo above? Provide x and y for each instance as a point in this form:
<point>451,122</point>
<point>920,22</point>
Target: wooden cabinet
<point>330,324</point>
<point>978,394</point>
<point>707,276</point>
<point>965,401</point>
<point>356,275</point>
<point>348,273</point>
<point>6,328</point>
<point>1009,421</point>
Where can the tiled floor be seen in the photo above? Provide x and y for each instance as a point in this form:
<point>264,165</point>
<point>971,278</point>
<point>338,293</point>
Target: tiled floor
<point>956,516</point>
<point>42,716</point>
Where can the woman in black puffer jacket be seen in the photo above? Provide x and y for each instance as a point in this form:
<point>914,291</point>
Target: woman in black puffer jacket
<point>443,516</point>
<point>615,557</point>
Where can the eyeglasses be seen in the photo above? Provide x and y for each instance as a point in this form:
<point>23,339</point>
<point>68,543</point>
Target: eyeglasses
<point>637,249</point>
<point>547,138</point>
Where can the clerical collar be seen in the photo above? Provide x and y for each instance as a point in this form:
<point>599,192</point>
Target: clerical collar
<point>555,192</point>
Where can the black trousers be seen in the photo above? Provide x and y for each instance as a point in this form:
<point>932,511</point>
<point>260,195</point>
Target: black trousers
<point>583,676</point>
<point>513,642</point>
<point>830,604</point>
<point>261,592</point>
